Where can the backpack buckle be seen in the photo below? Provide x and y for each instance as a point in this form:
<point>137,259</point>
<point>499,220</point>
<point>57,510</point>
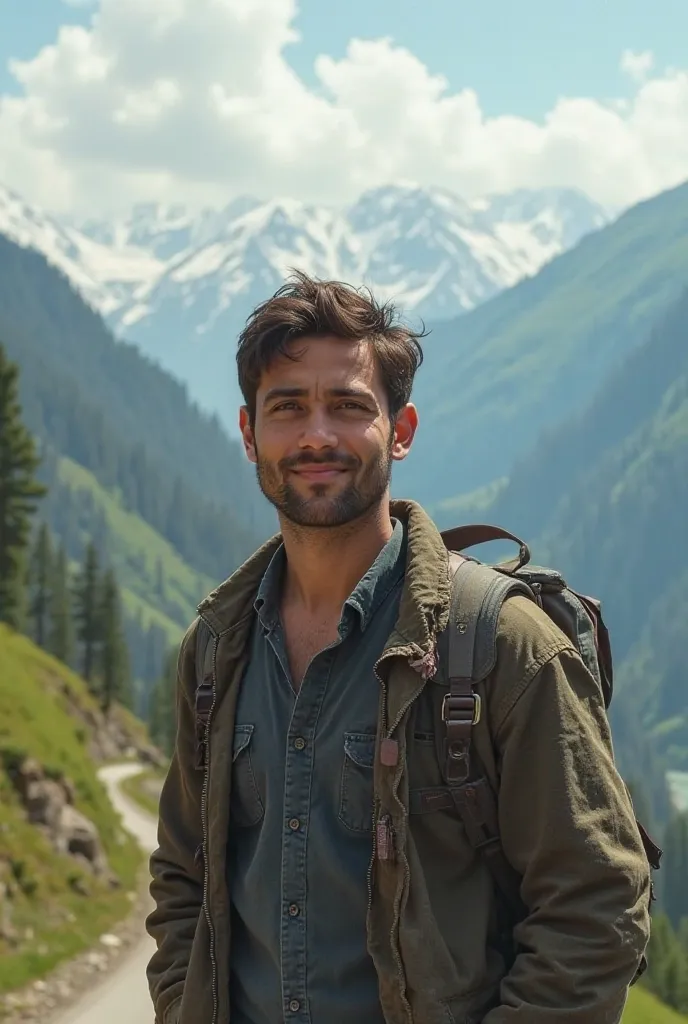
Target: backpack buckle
<point>462,708</point>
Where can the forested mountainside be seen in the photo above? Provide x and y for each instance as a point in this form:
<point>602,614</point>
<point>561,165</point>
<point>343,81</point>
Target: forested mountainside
<point>498,377</point>
<point>129,462</point>
<point>604,497</point>
<point>117,397</point>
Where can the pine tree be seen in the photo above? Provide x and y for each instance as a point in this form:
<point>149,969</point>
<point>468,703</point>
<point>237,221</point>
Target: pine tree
<point>61,633</point>
<point>87,613</point>
<point>162,723</point>
<point>40,582</point>
<point>115,676</point>
<point>667,973</point>
<point>19,494</point>
<point>675,869</point>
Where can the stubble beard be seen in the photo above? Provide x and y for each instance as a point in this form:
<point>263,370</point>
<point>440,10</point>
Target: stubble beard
<point>318,511</point>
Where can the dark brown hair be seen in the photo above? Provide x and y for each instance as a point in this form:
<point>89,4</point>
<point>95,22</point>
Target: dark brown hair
<point>305,306</point>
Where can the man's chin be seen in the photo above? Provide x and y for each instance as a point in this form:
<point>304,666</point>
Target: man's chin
<point>319,512</point>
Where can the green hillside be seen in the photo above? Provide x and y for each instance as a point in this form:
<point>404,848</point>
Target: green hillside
<point>604,498</point>
<point>52,906</point>
<point>130,464</point>
<point>643,1008</point>
<point>157,583</point>
<point>617,529</point>
<point>496,378</point>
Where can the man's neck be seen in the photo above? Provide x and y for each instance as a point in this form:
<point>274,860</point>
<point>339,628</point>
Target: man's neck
<point>325,565</point>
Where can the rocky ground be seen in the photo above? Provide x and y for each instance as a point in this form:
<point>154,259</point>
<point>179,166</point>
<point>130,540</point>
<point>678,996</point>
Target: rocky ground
<point>42,999</point>
<point>49,804</point>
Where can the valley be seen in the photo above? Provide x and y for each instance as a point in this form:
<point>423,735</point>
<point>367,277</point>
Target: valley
<point>553,400</point>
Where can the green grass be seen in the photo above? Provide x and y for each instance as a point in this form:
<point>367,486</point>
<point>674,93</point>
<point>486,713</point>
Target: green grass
<point>143,560</point>
<point>643,1008</point>
<point>40,702</point>
<point>143,789</point>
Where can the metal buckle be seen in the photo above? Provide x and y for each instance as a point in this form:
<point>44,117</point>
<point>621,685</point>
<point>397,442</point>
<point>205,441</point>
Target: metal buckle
<point>477,707</point>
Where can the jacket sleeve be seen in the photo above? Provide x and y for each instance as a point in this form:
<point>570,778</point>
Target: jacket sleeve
<point>176,874</point>
<point>569,829</point>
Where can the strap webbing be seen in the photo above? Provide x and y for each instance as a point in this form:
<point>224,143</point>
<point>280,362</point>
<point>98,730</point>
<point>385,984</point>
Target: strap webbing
<point>205,688</point>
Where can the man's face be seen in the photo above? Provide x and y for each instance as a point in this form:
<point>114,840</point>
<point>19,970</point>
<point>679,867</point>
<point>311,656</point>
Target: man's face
<point>323,441</point>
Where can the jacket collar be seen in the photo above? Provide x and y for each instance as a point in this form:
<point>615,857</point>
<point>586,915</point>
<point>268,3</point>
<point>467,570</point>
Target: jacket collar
<point>424,605</point>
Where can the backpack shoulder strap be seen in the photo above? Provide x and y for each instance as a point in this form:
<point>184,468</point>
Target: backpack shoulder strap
<point>205,689</point>
<point>470,654</point>
<point>477,595</point>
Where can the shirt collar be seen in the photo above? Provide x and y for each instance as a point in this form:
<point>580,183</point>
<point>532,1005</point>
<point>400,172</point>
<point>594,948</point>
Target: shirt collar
<point>369,593</point>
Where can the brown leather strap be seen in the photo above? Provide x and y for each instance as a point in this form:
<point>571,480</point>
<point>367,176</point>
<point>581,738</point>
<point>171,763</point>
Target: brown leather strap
<point>461,706</point>
<point>477,806</point>
<point>461,537</point>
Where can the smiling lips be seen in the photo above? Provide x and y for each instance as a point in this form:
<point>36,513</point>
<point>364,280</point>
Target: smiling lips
<point>319,473</point>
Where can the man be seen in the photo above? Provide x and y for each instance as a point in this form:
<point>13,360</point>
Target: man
<point>309,870</point>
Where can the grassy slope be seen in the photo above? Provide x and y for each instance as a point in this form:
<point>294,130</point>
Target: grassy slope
<point>643,1008</point>
<point>54,921</point>
<point>138,549</point>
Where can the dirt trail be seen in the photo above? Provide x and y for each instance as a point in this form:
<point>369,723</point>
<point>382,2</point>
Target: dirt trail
<point>123,995</point>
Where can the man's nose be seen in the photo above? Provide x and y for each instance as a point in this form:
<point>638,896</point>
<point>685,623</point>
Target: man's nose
<point>318,431</point>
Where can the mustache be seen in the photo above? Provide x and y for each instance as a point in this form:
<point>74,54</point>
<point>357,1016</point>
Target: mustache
<point>333,460</point>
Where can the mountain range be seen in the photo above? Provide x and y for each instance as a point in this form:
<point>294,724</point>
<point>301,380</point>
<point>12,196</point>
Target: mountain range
<point>180,284</point>
<point>554,403</point>
<point>604,497</point>
<point>546,408</point>
<point>497,378</point>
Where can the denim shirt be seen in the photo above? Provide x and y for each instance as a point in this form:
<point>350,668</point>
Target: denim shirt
<point>300,838</point>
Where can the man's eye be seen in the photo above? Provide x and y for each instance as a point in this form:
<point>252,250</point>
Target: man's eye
<point>284,406</point>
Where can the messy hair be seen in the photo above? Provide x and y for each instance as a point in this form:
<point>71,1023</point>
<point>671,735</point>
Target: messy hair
<point>304,307</point>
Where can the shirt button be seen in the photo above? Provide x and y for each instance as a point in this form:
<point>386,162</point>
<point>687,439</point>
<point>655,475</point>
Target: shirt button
<point>294,1005</point>
<point>300,743</point>
<point>294,824</point>
<point>293,910</point>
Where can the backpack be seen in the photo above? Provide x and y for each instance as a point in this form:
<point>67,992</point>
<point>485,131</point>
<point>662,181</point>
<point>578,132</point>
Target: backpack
<point>467,651</point>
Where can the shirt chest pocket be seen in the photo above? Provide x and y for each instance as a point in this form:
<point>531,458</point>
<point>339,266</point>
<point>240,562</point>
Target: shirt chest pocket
<point>356,789</point>
<point>246,807</point>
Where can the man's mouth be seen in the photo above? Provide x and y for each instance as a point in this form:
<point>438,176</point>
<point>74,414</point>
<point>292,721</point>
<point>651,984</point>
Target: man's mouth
<point>319,472</point>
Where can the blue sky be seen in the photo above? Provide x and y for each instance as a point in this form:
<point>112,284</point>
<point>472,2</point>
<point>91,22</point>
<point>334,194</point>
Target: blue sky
<point>519,55</point>
<point>197,101</point>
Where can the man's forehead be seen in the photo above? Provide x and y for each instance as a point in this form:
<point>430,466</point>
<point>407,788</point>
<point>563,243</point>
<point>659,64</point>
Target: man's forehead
<point>322,363</point>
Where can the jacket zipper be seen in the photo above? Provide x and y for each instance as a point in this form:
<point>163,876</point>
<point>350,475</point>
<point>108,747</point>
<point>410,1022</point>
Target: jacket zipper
<point>395,651</point>
<point>204,824</point>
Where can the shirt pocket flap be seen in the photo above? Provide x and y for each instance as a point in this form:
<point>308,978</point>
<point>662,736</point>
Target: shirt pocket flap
<point>242,738</point>
<point>360,748</point>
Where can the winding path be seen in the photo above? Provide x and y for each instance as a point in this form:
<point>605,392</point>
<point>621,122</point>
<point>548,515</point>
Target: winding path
<point>122,998</point>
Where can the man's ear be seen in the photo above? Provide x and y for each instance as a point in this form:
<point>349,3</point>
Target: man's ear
<point>405,427</point>
<point>247,434</point>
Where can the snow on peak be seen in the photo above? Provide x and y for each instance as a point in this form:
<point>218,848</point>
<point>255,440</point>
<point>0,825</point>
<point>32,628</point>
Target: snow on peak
<point>170,279</point>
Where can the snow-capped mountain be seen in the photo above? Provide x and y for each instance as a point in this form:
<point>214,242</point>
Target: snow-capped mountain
<point>180,284</point>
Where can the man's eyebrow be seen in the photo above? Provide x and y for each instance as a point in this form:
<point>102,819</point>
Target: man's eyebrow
<point>350,393</point>
<point>295,392</point>
<point>284,393</point>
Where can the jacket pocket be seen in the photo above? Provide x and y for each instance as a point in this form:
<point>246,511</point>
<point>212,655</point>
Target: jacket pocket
<point>246,806</point>
<point>472,1007</point>
<point>356,793</point>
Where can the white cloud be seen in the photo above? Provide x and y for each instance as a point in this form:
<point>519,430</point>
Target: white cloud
<point>637,65</point>
<point>195,100</point>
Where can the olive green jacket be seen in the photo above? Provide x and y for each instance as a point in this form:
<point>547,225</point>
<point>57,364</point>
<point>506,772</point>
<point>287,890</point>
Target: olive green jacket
<point>566,822</point>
